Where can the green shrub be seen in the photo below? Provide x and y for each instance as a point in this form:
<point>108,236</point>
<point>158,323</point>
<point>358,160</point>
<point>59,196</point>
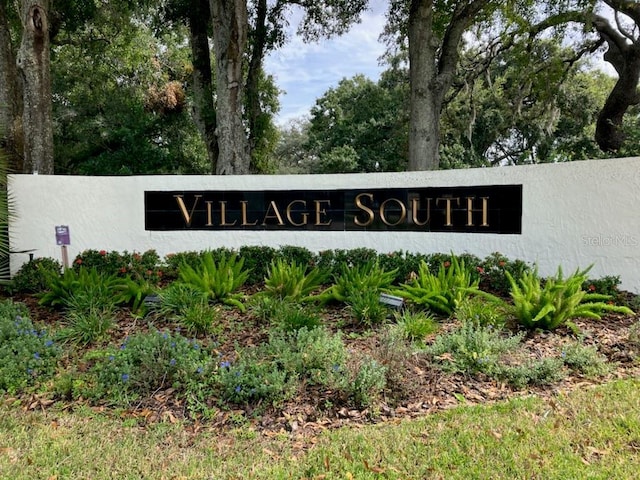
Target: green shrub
<point>441,293</point>
<point>257,260</point>
<point>144,363</point>
<point>481,312</point>
<point>288,316</point>
<point>536,372</point>
<point>393,351</point>
<point>293,254</point>
<point>97,288</point>
<point>33,276</point>
<point>334,261</point>
<point>585,360</point>
<point>141,266</point>
<point>218,281</point>
<point>291,280</point>
<point>174,261</point>
<point>493,270</point>
<point>88,319</point>
<point>416,326</point>
<point>366,307</point>
<point>398,262</point>
<point>352,280</point>
<point>607,285</point>
<point>363,381</point>
<point>555,301</point>
<point>27,355</point>
<point>176,297</point>
<point>254,380</point>
<point>200,318</point>
<point>471,349</point>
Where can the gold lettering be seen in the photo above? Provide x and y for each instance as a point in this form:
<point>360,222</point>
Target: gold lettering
<point>448,201</point>
<point>243,208</point>
<point>209,214</point>
<point>415,206</point>
<point>276,214</point>
<point>403,212</point>
<point>485,212</point>
<point>223,215</point>
<point>321,211</point>
<point>188,216</point>
<point>470,210</point>
<point>361,206</point>
<point>305,215</point>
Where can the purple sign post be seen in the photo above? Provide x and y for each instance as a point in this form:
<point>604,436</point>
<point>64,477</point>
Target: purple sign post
<point>63,238</point>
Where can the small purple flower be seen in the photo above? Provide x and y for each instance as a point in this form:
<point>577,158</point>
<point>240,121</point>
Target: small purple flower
<point>199,370</point>
<point>238,388</point>
<point>111,358</point>
<point>125,377</point>
<point>36,356</point>
<point>225,364</point>
<point>172,362</point>
<point>48,343</point>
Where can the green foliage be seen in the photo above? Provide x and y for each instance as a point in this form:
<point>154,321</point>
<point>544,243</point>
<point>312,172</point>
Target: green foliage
<point>481,312</point>
<point>253,380</point>
<point>134,293</point>
<point>256,260</point>
<point>290,280</point>
<point>548,304</point>
<point>534,372</point>
<point>99,289</point>
<point>585,360</point>
<point>174,261</point>
<point>416,326</point>
<point>366,307</point>
<point>363,381</point>
<point>84,326</point>
<point>27,355</point>
<point>334,260</point>
<point>140,266</point>
<point>144,363</point>
<point>200,319</point>
<point>441,293</point>
<point>33,276</point>
<point>217,281</point>
<point>353,279</point>
<point>294,254</point>
<point>492,273</point>
<point>360,126</point>
<point>176,297</point>
<point>471,349</point>
<point>607,285</point>
<point>289,316</point>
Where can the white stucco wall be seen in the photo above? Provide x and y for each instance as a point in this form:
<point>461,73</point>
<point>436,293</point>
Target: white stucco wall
<point>574,214</point>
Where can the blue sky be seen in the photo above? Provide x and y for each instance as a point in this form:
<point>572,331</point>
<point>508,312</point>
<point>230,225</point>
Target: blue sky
<point>305,71</point>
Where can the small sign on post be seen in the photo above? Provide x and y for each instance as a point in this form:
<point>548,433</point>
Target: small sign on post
<point>63,238</point>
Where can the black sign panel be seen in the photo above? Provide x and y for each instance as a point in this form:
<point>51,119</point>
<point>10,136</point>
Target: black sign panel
<point>477,209</point>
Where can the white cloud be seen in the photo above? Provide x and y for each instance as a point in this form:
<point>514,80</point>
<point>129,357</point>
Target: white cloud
<point>305,71</point>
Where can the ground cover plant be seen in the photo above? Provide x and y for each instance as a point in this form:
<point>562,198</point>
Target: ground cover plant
<point>309,344</point>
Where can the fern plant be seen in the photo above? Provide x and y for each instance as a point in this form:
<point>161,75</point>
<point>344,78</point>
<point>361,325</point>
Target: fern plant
<point>441,293</point>
<point>548,304</point>
<point>368,277</point>
<point>291,281</point>
<point>218,281</point>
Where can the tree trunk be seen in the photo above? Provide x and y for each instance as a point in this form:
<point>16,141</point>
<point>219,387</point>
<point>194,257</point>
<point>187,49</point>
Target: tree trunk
<point>424,115</point>
<point>432,64</point>
<point>229,39</point>
<point>204,110</point>
<point>10,97</point>
<point>625,58</point>
<point>258,45</point>
<point>34,66</point>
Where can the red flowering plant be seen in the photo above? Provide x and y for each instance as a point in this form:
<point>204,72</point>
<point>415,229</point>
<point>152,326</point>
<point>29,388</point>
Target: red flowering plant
<point>493,270</point>
<point>103,261</point>
<point>140,266</point>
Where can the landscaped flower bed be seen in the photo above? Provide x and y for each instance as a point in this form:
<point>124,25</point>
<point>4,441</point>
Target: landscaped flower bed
<point>292,340</point>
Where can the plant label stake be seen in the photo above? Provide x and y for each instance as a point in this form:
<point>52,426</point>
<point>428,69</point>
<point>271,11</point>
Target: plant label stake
<point>63,238</point>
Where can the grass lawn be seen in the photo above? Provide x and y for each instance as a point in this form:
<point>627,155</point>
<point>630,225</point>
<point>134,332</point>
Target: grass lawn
<point>589,433</point>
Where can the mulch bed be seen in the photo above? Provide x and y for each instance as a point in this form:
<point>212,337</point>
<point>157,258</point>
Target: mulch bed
<point>423,389</point>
